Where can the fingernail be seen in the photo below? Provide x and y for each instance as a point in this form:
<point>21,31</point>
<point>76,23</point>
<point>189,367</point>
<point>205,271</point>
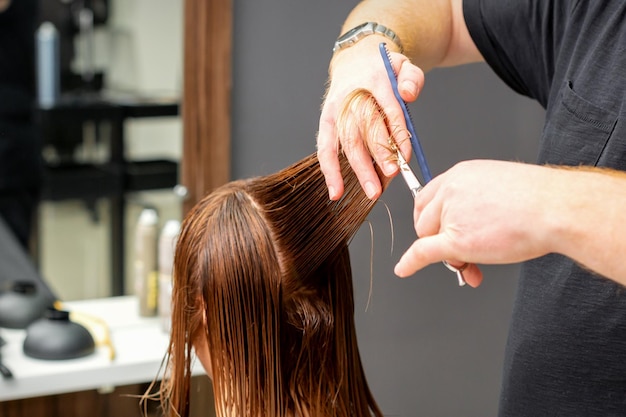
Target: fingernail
<point>370,189</point>
<point>331,192</point>
<point>389,167</point>
<point>409,87</point>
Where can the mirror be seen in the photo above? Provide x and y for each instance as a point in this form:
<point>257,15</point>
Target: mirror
<point>85,223</point>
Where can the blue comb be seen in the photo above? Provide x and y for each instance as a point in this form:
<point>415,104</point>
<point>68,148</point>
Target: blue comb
<point>415,142</point>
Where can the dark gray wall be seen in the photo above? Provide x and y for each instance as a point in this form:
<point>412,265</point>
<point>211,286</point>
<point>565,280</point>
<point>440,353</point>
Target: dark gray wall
<point>429,347</point>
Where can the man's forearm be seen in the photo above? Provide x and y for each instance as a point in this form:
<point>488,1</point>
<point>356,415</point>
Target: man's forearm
<point>432,32</point>
<point>589,219</point>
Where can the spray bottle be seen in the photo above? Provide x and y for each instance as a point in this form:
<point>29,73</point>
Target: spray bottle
<point>167,244</point>
<point>146,281</point>
<point>48,65</point>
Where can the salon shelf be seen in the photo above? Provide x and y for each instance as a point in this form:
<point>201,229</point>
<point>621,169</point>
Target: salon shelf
<point>89,181</point>
<point>150,175</point>
<point>140,345</point>
<point>117,176</point>
<point>84,181</point>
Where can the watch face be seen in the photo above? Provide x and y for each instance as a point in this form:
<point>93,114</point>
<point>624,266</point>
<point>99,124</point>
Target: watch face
<point>353,31</point>
<point>364,29</point>
<point>354,35</point>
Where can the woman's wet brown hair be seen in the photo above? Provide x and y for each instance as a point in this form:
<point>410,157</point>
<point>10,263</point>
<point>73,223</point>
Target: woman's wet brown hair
<point>262,274</point>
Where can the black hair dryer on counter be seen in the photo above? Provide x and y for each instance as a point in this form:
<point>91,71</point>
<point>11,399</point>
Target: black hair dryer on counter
<point>50,334</point>
<point>21,304</point>
<point>56,337</point>
<point>4,371</point>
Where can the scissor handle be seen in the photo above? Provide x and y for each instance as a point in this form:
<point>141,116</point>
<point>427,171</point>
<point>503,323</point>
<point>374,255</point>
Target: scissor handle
<point>458,271</point>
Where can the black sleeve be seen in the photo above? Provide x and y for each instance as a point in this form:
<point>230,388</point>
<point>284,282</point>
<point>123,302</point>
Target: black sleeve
<point>520,39</point>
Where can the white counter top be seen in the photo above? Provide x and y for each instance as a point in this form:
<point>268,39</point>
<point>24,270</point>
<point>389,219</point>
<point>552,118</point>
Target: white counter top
<point>140,346</point>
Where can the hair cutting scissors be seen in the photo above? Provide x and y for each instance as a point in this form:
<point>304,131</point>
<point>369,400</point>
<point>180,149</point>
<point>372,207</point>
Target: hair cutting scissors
<point>407,173</point>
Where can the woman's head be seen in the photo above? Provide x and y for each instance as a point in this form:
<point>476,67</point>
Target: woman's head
<point>225,290</point>
<point>263,290</point>
<point>274,320</point>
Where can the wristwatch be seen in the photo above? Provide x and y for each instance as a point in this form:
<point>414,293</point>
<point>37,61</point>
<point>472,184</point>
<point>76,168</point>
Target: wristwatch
<point>365,29</point>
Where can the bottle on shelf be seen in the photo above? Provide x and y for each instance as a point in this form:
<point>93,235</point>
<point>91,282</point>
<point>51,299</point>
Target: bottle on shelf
<point>48,65</point>
<point>167,244</point>
<point>146,274</point>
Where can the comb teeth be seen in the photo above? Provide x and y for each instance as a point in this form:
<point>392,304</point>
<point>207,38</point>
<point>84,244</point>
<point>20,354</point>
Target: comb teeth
<point>384,46</point>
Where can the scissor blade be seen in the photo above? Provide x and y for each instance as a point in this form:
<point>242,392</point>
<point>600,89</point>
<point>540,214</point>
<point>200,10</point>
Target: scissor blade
<point>408,175</point>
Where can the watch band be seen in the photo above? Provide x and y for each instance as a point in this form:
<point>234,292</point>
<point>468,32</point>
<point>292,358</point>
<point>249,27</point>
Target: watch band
<point>359,32</point>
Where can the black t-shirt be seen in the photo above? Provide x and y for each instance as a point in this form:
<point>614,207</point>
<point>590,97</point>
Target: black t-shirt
<point>566,352</point>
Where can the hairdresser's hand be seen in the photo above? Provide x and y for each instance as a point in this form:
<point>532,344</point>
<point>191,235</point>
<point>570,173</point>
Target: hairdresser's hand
<point>361,66</point>
<point>488,212</point>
